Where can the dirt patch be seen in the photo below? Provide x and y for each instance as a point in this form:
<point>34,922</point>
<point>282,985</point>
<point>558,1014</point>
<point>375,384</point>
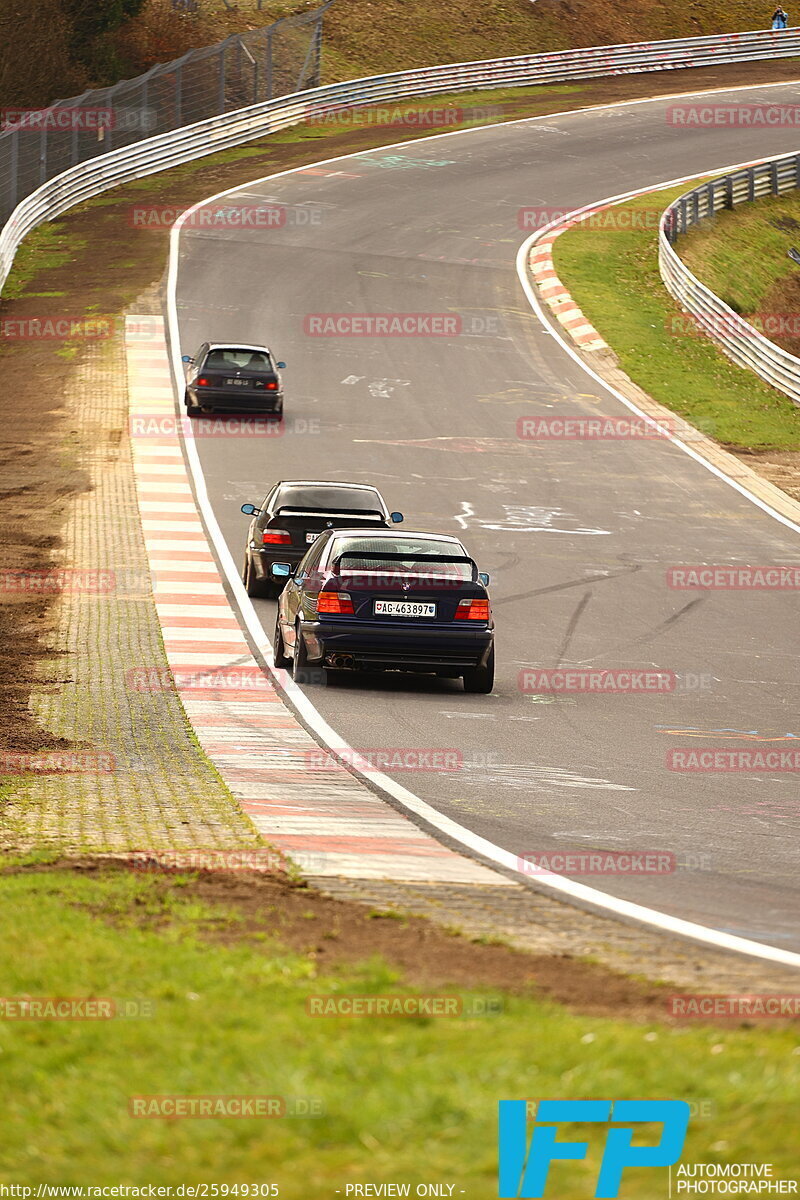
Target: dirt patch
<point>336,932</point>
<point>781,467</point>
<point>102,265</point>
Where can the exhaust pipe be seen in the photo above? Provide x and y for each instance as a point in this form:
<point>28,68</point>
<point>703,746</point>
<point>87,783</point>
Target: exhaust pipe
<point>344,662</point>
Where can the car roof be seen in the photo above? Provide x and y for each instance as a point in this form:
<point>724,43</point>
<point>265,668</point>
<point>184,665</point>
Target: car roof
<point>237,346</point>
<point>362,487</point>
<point>393,533</point>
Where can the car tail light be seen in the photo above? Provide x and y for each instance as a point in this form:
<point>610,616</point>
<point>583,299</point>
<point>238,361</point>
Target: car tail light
<point>204,382</point>
<point>472,610</point>
<point>276,537</point>
<point>335,602</point>
<point>272,387</point>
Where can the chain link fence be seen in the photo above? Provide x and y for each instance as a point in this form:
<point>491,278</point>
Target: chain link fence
<point>245,69</point>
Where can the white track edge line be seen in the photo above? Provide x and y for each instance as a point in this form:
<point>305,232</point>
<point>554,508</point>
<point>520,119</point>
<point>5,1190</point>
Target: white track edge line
<point>556,883</point>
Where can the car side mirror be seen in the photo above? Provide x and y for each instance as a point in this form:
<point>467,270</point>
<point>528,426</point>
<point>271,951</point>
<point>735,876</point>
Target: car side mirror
<point>250,510</point>
<point>484,578</point>
<point>186,358</point>
<point>281,366</point>
<point>281,570</point>
<point>397,517</point>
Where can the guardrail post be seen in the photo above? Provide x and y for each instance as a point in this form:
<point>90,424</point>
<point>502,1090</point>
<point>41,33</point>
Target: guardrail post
<point>43,157</point>
<point>729,189</point>
<point>221,92</point>
<point>751,183</point>
<point>12,191</point>
<point>695,207</point>
<point>178,96</point>
<point>776,191</point>
<point>143,105</point>
<point>269,64</point>
<point>317,71</point>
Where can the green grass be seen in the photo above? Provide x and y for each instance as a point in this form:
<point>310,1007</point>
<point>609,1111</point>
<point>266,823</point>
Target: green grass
<point>49,246</point>
<point>743,253</point>
<point>613,277</point>
<point>404,1099</point>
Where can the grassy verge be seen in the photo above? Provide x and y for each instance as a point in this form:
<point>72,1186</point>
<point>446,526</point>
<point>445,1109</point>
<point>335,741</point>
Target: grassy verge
<point>612,272</point>
<point>227,1008</point>
<point>743,256</point>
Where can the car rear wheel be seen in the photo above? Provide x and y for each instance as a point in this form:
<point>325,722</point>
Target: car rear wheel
<point>279,650</point>
<point>192,410</point>
<point>253,586</point>
<point>481,679</point>
<point>300,660</point>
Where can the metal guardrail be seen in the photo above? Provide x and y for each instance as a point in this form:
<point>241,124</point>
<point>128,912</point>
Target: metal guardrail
<point>254,66</point>
<point>159,153</point>
<point>741,341</point>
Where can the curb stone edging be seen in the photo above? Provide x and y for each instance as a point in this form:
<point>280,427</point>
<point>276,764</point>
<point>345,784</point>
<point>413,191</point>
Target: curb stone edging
<point>556,296</point>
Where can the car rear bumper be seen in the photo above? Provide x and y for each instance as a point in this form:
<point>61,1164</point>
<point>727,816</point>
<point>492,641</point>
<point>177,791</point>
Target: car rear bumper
<point>238,401</point>
<point>376,644</point>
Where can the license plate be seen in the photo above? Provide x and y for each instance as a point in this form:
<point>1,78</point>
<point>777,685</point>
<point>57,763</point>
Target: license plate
<point>404,608</point>
<point>237,382</point>
<point>311,537</point>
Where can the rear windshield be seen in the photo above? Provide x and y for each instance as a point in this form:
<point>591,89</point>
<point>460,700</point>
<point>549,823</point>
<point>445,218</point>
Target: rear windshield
<point>247,360</point>
<point>419,556</point>
<point>330,499</point>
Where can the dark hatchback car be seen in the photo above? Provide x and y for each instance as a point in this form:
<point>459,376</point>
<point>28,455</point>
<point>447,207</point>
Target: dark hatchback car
<point>233,378</point>
<point>386,601</point>
<point>294,514</point>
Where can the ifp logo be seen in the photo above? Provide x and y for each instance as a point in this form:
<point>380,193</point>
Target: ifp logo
<point>524,1169</point>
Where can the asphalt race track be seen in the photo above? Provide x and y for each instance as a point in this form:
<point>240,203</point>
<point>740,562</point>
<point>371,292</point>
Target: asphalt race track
<point>577,535</point>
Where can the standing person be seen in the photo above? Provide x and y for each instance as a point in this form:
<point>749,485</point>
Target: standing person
<point>780,18</point>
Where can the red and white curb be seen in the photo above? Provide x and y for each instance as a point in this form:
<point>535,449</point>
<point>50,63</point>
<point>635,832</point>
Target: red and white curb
<point>302,802</point>
<point>556,296</point>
